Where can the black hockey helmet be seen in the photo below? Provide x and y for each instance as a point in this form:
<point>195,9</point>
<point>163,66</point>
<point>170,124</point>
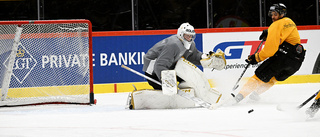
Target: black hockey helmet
<point>280,8</point>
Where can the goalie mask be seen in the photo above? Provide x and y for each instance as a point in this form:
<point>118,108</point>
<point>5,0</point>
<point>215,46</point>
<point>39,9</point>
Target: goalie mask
<point>186,34</point>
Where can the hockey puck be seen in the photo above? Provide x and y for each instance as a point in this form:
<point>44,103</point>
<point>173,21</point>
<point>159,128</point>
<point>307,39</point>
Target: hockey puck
<point>251,110</point>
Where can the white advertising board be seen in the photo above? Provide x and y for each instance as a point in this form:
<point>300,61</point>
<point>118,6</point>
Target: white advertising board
<point>238,45</point>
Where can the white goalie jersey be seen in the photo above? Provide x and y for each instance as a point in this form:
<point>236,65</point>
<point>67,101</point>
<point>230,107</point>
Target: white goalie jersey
<point>195,83</point>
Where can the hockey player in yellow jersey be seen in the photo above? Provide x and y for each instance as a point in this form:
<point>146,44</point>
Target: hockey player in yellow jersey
<point>282,55</point>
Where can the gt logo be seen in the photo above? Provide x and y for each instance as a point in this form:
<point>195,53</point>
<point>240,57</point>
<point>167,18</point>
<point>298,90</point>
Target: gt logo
<point>234,50</point>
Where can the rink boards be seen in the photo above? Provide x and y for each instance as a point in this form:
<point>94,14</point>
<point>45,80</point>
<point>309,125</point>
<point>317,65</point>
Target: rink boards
<point>112,49</point>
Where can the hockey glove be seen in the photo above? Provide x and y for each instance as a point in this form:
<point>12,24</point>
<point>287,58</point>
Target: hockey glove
<point>207,56</point>
<point>216,60</point>
<point>252,59</point>
<point>211,53</point>
<point>264,35</point>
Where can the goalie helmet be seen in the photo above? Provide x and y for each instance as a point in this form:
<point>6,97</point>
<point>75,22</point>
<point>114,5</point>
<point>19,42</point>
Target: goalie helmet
<point>280,8</point>
<point>186,30</point>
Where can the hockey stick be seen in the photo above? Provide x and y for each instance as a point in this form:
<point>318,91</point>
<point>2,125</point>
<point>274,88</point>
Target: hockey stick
<point>283,107</point>
<point>310,98</point>
<point>245,69</point>
<point>181,93</point>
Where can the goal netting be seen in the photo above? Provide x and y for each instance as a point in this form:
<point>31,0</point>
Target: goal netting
<point>46,62</point>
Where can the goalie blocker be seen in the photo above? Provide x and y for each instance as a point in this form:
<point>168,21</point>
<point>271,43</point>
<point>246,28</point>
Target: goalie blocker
<point>195,83</point>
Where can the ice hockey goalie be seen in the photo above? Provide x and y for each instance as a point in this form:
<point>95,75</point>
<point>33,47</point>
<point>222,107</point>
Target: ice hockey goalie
<point>193,82</point>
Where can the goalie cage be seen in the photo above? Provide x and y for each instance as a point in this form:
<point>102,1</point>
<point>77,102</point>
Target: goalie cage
<point>46,62</point>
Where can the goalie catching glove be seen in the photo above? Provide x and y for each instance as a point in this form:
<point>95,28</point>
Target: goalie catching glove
<point>215,60</point>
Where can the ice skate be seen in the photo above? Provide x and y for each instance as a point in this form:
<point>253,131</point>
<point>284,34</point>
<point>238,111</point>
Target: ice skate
<point>230,100</point>
<point>313,109</point>
<point>255,96</point>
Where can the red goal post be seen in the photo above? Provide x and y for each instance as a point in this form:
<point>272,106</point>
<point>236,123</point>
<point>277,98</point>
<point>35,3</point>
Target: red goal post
<point>46,61</point>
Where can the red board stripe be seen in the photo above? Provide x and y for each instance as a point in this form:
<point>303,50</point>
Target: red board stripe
<point>115,88</point>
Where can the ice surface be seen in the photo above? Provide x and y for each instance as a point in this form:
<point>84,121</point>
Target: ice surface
<point>109,118</point>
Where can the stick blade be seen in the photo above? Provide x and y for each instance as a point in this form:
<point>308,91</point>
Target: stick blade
<point>235,87</point>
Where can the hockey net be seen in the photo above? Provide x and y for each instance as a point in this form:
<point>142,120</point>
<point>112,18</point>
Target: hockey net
<point>46,62</point>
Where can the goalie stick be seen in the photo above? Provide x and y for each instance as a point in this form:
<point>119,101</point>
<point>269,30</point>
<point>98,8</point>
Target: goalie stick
<point>245,69</point>
<point>180,92</point>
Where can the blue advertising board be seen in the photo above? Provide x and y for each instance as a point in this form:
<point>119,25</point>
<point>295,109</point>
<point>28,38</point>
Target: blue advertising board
<point>110,52</point>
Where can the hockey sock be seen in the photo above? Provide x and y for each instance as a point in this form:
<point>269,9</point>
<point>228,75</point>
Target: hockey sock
<point>255,84</point>
<point>251,85</point>
<point>265,86</point>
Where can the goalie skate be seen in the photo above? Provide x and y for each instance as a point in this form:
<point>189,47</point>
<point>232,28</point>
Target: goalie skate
<point>129,102</point>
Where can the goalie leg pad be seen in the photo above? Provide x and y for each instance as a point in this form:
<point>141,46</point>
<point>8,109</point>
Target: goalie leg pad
<point>155,99</point>
<point>196,80</point>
